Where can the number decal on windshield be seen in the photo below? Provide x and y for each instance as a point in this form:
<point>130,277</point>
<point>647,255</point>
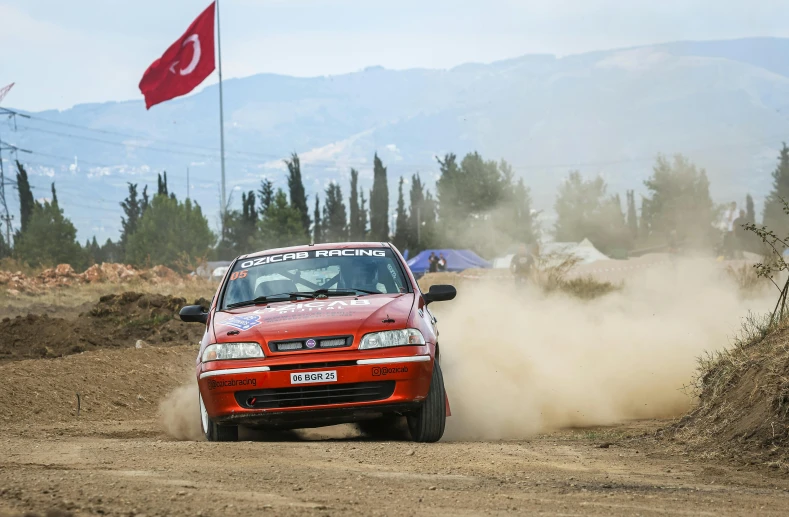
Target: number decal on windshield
<point>238,274</point>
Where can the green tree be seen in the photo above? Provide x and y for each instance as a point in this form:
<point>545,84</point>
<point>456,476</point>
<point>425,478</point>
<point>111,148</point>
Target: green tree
<point>167,231</point>
<point>482,206</point>
<point>379,203</point>
<point>132,210</point>
<point>774,217</point>
<point>512,217</point>
<point>335,224</point>
<point>355,227</point>
<point>50,237</point>
<point>93,251</point>
<point>298,197</point>
<point>111,252</point>
<point>266,194</point>
<point>416,206</point>
<point>26,202</point>
<point>5,249</point>
<point>678,204</point>
<point>632,216</point>
<point>364,232</point>
<point>750,213</point>
<point>401,235</point>
<point>585,211</point>
<point>317,225</point>
<point>281,225</point>
<point>240,228</point>
<point>161,184</point>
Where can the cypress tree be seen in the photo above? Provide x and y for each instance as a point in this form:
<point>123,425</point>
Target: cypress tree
<point>750,213</point>
<point>379,203</point>
<point>335,225</point>
<point>317,225</point>
<point>146,202</point>
<point>632,216</point>
<point>132,209</point>
<point>774,217</point>
<point>363,217</point>
<point>415,217</point>
<point>161,184</point>
<point>26,201</point>
<point>355,223</point>
<point>266,195</point>
<point>298,197</point>
<point>401,238</point>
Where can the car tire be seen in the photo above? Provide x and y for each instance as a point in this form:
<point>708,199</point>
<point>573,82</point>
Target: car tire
<point>427,424</point>
<point>214,432</point>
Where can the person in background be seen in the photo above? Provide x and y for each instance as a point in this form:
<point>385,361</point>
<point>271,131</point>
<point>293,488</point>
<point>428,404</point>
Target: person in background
<point>442,262</point>
<point>521,264</point>
<point>432,263</point>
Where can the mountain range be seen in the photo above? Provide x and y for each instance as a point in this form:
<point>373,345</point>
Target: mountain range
<point>725,104</point>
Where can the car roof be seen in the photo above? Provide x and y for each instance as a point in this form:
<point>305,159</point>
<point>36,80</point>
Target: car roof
<point>309,247</point>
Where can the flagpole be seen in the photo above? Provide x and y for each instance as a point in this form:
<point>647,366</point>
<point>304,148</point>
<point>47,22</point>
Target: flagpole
<point>221,119</point>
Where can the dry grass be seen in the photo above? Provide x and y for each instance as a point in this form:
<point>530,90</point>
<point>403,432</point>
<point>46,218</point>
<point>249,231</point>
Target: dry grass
<point>743,394</point>
<point>551,275</point>
<point>748,280</point>
<point>14,265</point>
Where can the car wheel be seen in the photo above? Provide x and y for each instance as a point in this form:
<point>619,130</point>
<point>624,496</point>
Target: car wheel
<point>427,424</point>
<point>214,432</point>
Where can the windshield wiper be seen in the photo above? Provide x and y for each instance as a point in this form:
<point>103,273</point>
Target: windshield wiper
<point>269,298</point>
<point>351,291</point>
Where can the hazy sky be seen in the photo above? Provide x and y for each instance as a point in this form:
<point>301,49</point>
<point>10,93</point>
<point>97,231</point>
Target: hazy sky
<point>62,53</point>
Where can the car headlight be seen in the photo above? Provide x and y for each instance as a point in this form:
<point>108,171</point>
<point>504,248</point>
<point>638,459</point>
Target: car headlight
<point>221,351</point>
<point>389,338</point>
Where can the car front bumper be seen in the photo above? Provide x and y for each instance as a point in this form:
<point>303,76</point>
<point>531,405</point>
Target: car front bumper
<point>262,395</point>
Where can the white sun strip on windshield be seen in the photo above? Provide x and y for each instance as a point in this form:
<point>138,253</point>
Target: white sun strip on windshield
<point>284,257</point>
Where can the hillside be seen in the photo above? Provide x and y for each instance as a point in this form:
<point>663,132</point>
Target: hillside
<point>723,103</point>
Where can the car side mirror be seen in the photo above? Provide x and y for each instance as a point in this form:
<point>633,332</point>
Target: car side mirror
<point>193,314</point>
<point>440,293</point>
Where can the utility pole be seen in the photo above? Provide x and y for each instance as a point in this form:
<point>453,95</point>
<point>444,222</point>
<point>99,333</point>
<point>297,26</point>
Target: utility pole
<point>187,183</point>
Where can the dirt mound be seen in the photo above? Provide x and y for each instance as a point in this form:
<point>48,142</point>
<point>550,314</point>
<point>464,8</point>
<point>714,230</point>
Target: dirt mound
<point>64,276</point>
<point>116,321</point>
<point>112,384</point>
<point>743,410</point>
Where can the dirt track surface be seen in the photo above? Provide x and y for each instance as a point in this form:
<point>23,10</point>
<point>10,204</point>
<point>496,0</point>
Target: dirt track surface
<point>114,468</point>
<point>113,459</point>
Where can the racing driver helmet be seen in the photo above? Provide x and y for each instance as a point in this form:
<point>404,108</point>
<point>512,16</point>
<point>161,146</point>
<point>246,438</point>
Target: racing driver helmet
<point>360,274</point>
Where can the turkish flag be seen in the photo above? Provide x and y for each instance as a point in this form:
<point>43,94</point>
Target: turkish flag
<point>184,65</point>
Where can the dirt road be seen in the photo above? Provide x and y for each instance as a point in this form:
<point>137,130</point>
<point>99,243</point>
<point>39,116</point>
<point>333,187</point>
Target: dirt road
<point>112,457</point>
<point>128,468</point>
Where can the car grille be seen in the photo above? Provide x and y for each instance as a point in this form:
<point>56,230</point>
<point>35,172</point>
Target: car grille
<point>317,343</point>
<point>315,395</point>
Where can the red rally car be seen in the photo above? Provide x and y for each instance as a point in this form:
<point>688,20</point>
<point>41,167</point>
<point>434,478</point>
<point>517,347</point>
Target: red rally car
<point>319,335</point>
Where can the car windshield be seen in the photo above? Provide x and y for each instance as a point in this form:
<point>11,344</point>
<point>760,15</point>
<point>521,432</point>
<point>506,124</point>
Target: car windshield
<point>349,271</point>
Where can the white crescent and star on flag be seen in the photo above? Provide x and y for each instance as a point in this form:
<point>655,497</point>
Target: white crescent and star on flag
<point>194,40</point>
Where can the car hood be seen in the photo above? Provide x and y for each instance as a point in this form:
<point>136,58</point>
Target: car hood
<point>335,316</point>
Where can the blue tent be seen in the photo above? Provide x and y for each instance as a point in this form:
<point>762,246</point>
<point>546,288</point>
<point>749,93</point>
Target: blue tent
<point>457,260</point>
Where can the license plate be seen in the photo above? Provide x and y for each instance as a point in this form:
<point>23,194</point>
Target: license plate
<point>309,377</point>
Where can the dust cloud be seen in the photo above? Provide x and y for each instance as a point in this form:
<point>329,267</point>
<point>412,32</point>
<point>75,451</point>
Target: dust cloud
<point>179,413</point>
<point>519,363</point>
